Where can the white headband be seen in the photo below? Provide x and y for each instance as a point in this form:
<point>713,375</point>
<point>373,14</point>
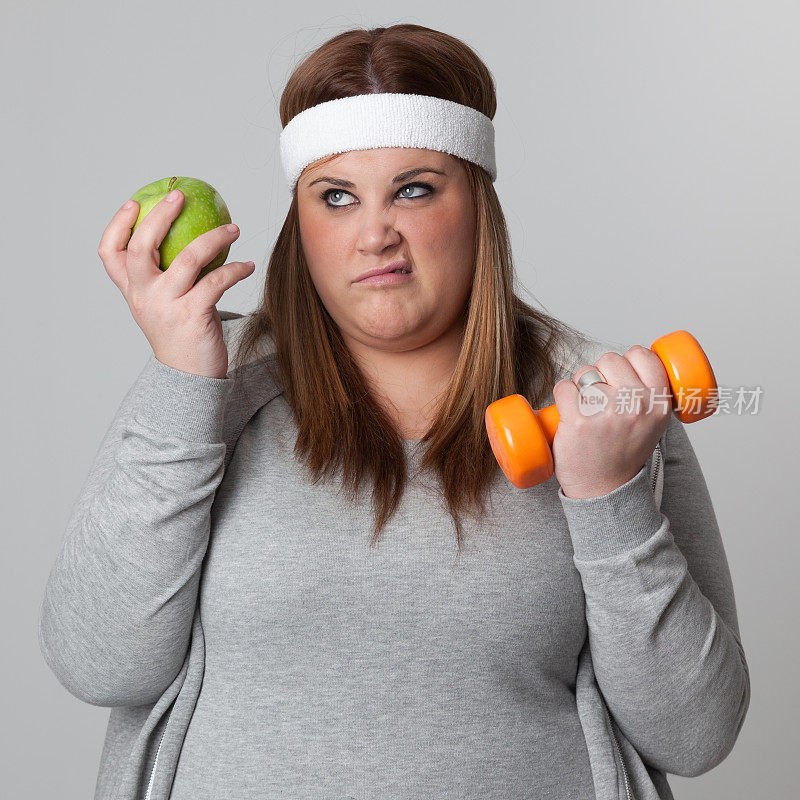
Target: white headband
<point>391,119</point>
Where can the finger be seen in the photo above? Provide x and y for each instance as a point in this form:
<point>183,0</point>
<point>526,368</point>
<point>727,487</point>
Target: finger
<point>652,374</point>
<point>590,394</point>
<point>199,253</point>
<point>627,392</point>
<point>143,255</point>
<point>618,371</point>
<point>210,288</point>
<point>567,398</point>
<point>581,371</point>
<point>113,242</point>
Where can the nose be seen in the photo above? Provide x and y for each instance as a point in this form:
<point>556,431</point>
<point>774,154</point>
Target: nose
<point>377,230</point>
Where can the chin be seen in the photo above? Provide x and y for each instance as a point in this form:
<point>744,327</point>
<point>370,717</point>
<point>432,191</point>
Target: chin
<point>388,329</point>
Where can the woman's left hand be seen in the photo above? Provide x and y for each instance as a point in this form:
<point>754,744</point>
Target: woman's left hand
<point>601,444</point>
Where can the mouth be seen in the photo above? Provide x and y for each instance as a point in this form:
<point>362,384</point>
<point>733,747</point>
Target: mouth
<point>399,268</point>
<point>386,279</point>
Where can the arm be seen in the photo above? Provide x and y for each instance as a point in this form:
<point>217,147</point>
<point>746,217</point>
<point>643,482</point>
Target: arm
<point>115,620</point>
<point>661,614</point>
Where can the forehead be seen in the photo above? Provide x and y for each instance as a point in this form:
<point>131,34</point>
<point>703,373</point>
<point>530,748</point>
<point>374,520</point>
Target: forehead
<point>377,163</point>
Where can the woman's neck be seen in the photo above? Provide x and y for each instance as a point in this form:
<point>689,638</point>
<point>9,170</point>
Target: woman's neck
<point>409,384</point>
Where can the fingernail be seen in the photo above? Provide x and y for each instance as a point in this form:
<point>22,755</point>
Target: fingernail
<point>173,196</point>
<point>232,228</point>
<point>129,204</point>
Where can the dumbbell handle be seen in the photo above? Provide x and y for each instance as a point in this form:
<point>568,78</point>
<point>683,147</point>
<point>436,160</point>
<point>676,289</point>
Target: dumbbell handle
<point>548,419</point>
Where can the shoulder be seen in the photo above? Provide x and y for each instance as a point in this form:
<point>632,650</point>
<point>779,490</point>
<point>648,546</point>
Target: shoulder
<point>579,348</point>
<point>233,326</point>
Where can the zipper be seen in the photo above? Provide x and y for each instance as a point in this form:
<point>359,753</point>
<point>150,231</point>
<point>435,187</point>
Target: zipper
<point>657,461</point>
<point>628,791</point>
<point>155,760</point>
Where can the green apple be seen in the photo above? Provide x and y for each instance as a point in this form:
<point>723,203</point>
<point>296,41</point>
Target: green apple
<point>203,209</point>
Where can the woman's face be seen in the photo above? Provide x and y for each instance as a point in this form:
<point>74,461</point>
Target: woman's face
<point>360,211</point>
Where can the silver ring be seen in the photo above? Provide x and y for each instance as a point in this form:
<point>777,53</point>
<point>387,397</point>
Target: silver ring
<point>590,377</point>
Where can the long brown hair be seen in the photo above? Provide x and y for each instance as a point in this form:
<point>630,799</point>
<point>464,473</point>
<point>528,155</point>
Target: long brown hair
<point>507,347</point>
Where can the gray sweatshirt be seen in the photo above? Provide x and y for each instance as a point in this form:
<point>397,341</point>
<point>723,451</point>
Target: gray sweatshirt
<point>251,645</point>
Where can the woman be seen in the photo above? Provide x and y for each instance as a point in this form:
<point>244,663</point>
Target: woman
<point>260,632</point>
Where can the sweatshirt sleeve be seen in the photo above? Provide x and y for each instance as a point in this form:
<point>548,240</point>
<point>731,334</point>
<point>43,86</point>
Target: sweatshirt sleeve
<point>661,614</point>
<point>115,620</point>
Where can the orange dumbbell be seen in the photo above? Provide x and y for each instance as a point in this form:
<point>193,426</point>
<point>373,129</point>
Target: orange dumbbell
<point>522,439</point>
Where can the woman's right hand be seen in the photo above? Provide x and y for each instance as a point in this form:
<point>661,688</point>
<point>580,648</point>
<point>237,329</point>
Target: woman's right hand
<point>178,317</point>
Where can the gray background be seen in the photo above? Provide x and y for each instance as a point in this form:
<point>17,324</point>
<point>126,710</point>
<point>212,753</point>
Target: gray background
<point>648,166</point>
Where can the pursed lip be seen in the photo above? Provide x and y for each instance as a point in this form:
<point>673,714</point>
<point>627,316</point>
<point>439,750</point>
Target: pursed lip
<point>383,270</point>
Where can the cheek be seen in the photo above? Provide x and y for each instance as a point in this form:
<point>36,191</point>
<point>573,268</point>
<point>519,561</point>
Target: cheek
<point>322,242</point>
<point>317,234</point>
<point>445,237</point>
<point>442,227</point>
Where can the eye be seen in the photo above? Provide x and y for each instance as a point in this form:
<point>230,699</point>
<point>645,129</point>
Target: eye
<point>330,192</point>
<point>416,186</point>
<point>400,192</point>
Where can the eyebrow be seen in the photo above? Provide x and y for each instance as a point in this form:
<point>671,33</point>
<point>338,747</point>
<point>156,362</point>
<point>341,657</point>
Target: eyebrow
<point>403,176</point>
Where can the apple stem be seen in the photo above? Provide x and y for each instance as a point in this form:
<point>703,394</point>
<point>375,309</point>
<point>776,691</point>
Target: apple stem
<point>171,183</point>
